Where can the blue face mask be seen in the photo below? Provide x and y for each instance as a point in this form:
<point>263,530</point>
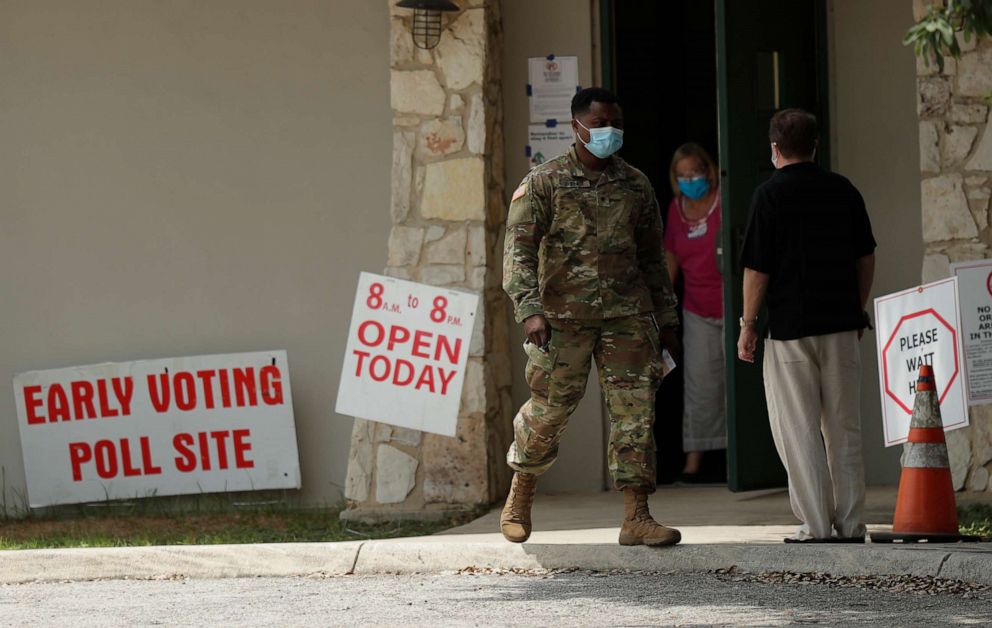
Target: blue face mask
<point>694,188</point>
<point>604,141</point>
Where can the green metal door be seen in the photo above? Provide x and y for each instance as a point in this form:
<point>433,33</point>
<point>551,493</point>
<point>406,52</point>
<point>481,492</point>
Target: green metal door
<point>771,54</point>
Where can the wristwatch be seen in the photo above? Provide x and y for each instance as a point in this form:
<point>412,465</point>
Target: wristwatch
<point>748,323</point>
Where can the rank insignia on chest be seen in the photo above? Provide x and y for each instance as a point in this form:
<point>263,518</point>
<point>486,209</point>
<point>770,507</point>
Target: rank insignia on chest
<point>570,183</point>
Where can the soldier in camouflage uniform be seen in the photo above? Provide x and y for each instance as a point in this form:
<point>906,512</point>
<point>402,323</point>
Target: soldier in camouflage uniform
<point>585,268</point>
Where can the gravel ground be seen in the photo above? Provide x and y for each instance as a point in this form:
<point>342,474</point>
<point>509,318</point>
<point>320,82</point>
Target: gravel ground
<point>485,598</point>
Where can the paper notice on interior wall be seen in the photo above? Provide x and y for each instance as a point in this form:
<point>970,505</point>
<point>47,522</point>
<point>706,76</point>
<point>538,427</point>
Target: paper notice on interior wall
<point>552,82</point>
<point>975,295</point>
<point>547,143</point>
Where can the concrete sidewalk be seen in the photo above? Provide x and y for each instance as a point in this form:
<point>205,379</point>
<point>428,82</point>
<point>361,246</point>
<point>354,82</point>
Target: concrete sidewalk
<point>720,530</point>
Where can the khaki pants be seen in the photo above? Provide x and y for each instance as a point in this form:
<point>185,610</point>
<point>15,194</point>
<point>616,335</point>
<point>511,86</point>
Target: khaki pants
<point>813,388</point>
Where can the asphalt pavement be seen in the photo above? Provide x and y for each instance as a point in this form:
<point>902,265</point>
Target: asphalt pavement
<point>472,599</point>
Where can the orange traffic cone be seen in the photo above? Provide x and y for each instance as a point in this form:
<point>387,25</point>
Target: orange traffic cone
<point>926,509</point>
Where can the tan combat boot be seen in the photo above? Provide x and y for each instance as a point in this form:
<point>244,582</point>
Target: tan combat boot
<point>514,521</point>
<point>638,526</point>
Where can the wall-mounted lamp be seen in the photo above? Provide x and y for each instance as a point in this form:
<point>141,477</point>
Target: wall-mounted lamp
<point>427,20</point>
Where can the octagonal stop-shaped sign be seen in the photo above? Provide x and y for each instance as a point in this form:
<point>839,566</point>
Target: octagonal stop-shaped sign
<point>916,327</point>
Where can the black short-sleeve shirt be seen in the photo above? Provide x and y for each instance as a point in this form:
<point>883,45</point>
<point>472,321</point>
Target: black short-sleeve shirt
<point>807,229</point>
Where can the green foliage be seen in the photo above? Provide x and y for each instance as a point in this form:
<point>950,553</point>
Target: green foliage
<point>975,519</point>
<point>933,37</point>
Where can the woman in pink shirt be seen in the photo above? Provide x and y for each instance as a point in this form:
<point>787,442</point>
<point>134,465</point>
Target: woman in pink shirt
<point>691,235</point>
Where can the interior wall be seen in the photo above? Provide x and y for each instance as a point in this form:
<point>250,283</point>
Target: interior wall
<point>537,29</point>
<point>876,145</point>
<point>182,178</point>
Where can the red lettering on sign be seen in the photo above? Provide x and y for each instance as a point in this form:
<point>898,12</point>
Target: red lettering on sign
<point>384,372</point>
<point>225,389</point>
<point>159,393</point>
<point>146,458</point>
<point>109,457</point>
<point>124,395</point>
<point>445,344</point>
<point>426,379</point>
<point>362,330</point>
<point>186,461</point>
<point>361,358</point>
<point>399,380</point>
<point>82,400</point>
<point>195,451</point>
<point>206,377</point>
<point>244,387</point>
<point>204,451</point>
<point>129,469</point>
<point>220,438</point>
<point>104,398</point>
<point>397,335</point>
<point>241,447</point>
<point>106,459</point>
<point>445,380</point>
<point>185,391</point>
<point>58,405</point>
<point>271,384</point>
<point>420,341</point>
<point>79,454</point>
<point>32,403</point>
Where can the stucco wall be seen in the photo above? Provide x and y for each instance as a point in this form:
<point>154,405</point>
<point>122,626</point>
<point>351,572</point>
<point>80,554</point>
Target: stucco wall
<point>537,29</point>
<point>876,145</point>
<point>183,178</point>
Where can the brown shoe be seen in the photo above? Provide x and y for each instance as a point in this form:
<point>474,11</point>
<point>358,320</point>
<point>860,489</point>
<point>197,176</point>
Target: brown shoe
<point>514,521</point>
<point>638,526</point>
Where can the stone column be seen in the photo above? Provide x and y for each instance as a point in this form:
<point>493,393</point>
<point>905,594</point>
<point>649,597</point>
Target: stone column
<point>956,168</point>
<point>447,212</point>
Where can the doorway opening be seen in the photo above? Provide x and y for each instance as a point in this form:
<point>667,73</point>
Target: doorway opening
<point>663,68</point>
<point>713,73</point>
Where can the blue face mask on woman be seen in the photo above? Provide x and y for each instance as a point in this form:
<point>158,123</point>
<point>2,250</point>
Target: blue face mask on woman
<point>694,188</point>
<point>603,142</point>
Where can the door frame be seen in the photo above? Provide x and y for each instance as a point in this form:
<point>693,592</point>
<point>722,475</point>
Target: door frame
<point>603,20</point>
<point>729,250</point>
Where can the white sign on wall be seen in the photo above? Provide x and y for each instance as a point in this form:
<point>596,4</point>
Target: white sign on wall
<point>406,355</point>
<point>915,327</point>
<point>552,82</point>
<point>546,143</point>
<point>975,288</point>
<point>175,426</point>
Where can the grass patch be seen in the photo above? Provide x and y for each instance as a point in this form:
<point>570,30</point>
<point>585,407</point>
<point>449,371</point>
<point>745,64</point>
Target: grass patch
<point>975,519</point>
<point>205,528</point>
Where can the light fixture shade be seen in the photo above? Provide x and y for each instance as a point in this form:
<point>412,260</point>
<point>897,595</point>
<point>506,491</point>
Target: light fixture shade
<point>428,5</point>
<point>427,20</point>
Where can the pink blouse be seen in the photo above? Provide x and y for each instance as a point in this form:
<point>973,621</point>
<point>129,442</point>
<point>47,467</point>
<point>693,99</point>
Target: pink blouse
<point>694,245</point>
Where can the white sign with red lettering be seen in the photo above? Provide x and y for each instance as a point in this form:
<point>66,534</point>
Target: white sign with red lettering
<point>406,355</point>
<point>175,426</point>
<point>912,328</point>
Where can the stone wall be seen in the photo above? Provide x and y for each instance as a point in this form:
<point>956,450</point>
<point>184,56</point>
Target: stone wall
<point>447,212</point>
<point>956,173</point>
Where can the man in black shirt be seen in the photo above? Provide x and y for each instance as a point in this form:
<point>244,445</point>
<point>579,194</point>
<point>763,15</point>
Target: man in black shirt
<point>809,252</point>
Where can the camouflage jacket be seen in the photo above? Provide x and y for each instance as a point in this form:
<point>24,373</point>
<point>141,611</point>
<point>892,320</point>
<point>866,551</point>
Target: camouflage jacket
<point>578,249</point>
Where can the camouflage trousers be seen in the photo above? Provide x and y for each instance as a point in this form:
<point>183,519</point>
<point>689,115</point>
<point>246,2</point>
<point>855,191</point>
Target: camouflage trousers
<point>628,358</point>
